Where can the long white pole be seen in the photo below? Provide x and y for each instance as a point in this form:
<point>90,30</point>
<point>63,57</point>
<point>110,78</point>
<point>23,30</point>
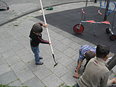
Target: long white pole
<point>47,32</point>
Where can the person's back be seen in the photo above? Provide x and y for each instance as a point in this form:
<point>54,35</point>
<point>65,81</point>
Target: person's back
<point>94,74</point>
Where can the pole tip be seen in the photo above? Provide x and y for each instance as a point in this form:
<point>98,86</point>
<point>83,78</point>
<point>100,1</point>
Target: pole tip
<point>55,64</point>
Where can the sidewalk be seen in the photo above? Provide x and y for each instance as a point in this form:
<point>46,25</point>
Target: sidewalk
<point>17,67</point>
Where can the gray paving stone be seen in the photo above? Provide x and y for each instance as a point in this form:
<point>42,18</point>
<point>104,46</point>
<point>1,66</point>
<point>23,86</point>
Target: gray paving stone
<point>67,41</point>
<point>68,79</point>
<point>42,72</point>
<point>61,46</point>
<point>16,83</point>
<point>65,34</point>
<point>76,39</point>
<point>8,77</point>
<point>17,46</point>
<point>83,42</point>
<point>55,43</point>
<point>60,70</point>
<point>56,30</point>
<point>56,36</point>
<point>65,61</point>
<point>59,54</point>
<point>4,68</point>
<point>52,81</point>
<point>70,52</point>
<point>2,60</point>
<point>32,66</point>
<point>76,56</point>
<point>25,74</point>
<point>45,50</point>
<point>49,63</point>
<point>75,46</point>
<point>34,82</point>
<point>13,60</point>
<point>8,53</point>
<point>18,66</point>
<point>27,57</point>
<point>71,67</point>
<point>22,52</point>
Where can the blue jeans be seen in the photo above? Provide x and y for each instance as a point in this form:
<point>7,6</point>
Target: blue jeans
<point>36,51</point>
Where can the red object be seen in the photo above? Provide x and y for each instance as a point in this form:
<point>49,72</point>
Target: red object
<point>106,22</point>
<point>91,21</point>
<point>78,28</point>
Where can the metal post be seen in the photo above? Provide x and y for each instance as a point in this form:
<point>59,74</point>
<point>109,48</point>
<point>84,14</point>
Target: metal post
<point>86,3</point>
<point>107,6</point>
<point>111,63</point>
<point>95,1</point>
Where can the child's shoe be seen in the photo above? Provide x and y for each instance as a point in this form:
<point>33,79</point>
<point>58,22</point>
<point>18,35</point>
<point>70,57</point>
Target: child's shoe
<point>40,57</point>
<point>39,63</point>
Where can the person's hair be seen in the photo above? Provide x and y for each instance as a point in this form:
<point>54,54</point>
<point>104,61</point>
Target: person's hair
<point>89,55</point>
<point>102,51</point>
<point>37,28</point>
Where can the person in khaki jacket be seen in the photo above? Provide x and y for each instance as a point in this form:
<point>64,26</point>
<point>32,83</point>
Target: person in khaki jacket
<point>96,73</point>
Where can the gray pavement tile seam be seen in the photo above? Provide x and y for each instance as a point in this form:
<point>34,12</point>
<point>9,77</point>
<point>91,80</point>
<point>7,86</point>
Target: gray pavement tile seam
<point>34,82</point>
<point>68,79</point>
<point>43,72</point>
<point>25,75</point>
<point>60,70</point>
<point>4,68</point>
<point>52,81</point>
<point>12,60</point>
<point>8,77</point>
<point>16,83</point>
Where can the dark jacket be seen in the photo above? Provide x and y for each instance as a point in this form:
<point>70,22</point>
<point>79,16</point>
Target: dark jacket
<point>36,39</point>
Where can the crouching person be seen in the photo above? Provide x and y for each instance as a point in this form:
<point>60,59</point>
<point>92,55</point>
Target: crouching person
<point>96,73</point>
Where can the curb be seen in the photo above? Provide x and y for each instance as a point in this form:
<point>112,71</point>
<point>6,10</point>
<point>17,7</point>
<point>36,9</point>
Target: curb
<point>34,10</point>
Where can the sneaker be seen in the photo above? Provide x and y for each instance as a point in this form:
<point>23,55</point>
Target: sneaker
<point>39,63</point>
<point>40,57</point>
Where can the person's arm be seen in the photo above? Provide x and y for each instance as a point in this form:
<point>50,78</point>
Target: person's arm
<point>79,65</point>
<point>43,41</point>
<point>79,62</point>
<point>111,81</point>
<point>76,74</point>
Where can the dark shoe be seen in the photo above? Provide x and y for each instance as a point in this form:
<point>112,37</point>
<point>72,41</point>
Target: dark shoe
<point>40,57</point>
<point>39,63</point>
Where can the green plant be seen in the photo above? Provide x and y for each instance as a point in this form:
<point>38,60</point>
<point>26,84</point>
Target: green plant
<point>1,85</point>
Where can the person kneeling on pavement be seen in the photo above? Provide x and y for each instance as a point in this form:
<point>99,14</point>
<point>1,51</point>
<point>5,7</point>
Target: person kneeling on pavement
<point>96,73</point>
<point>86,52</point>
